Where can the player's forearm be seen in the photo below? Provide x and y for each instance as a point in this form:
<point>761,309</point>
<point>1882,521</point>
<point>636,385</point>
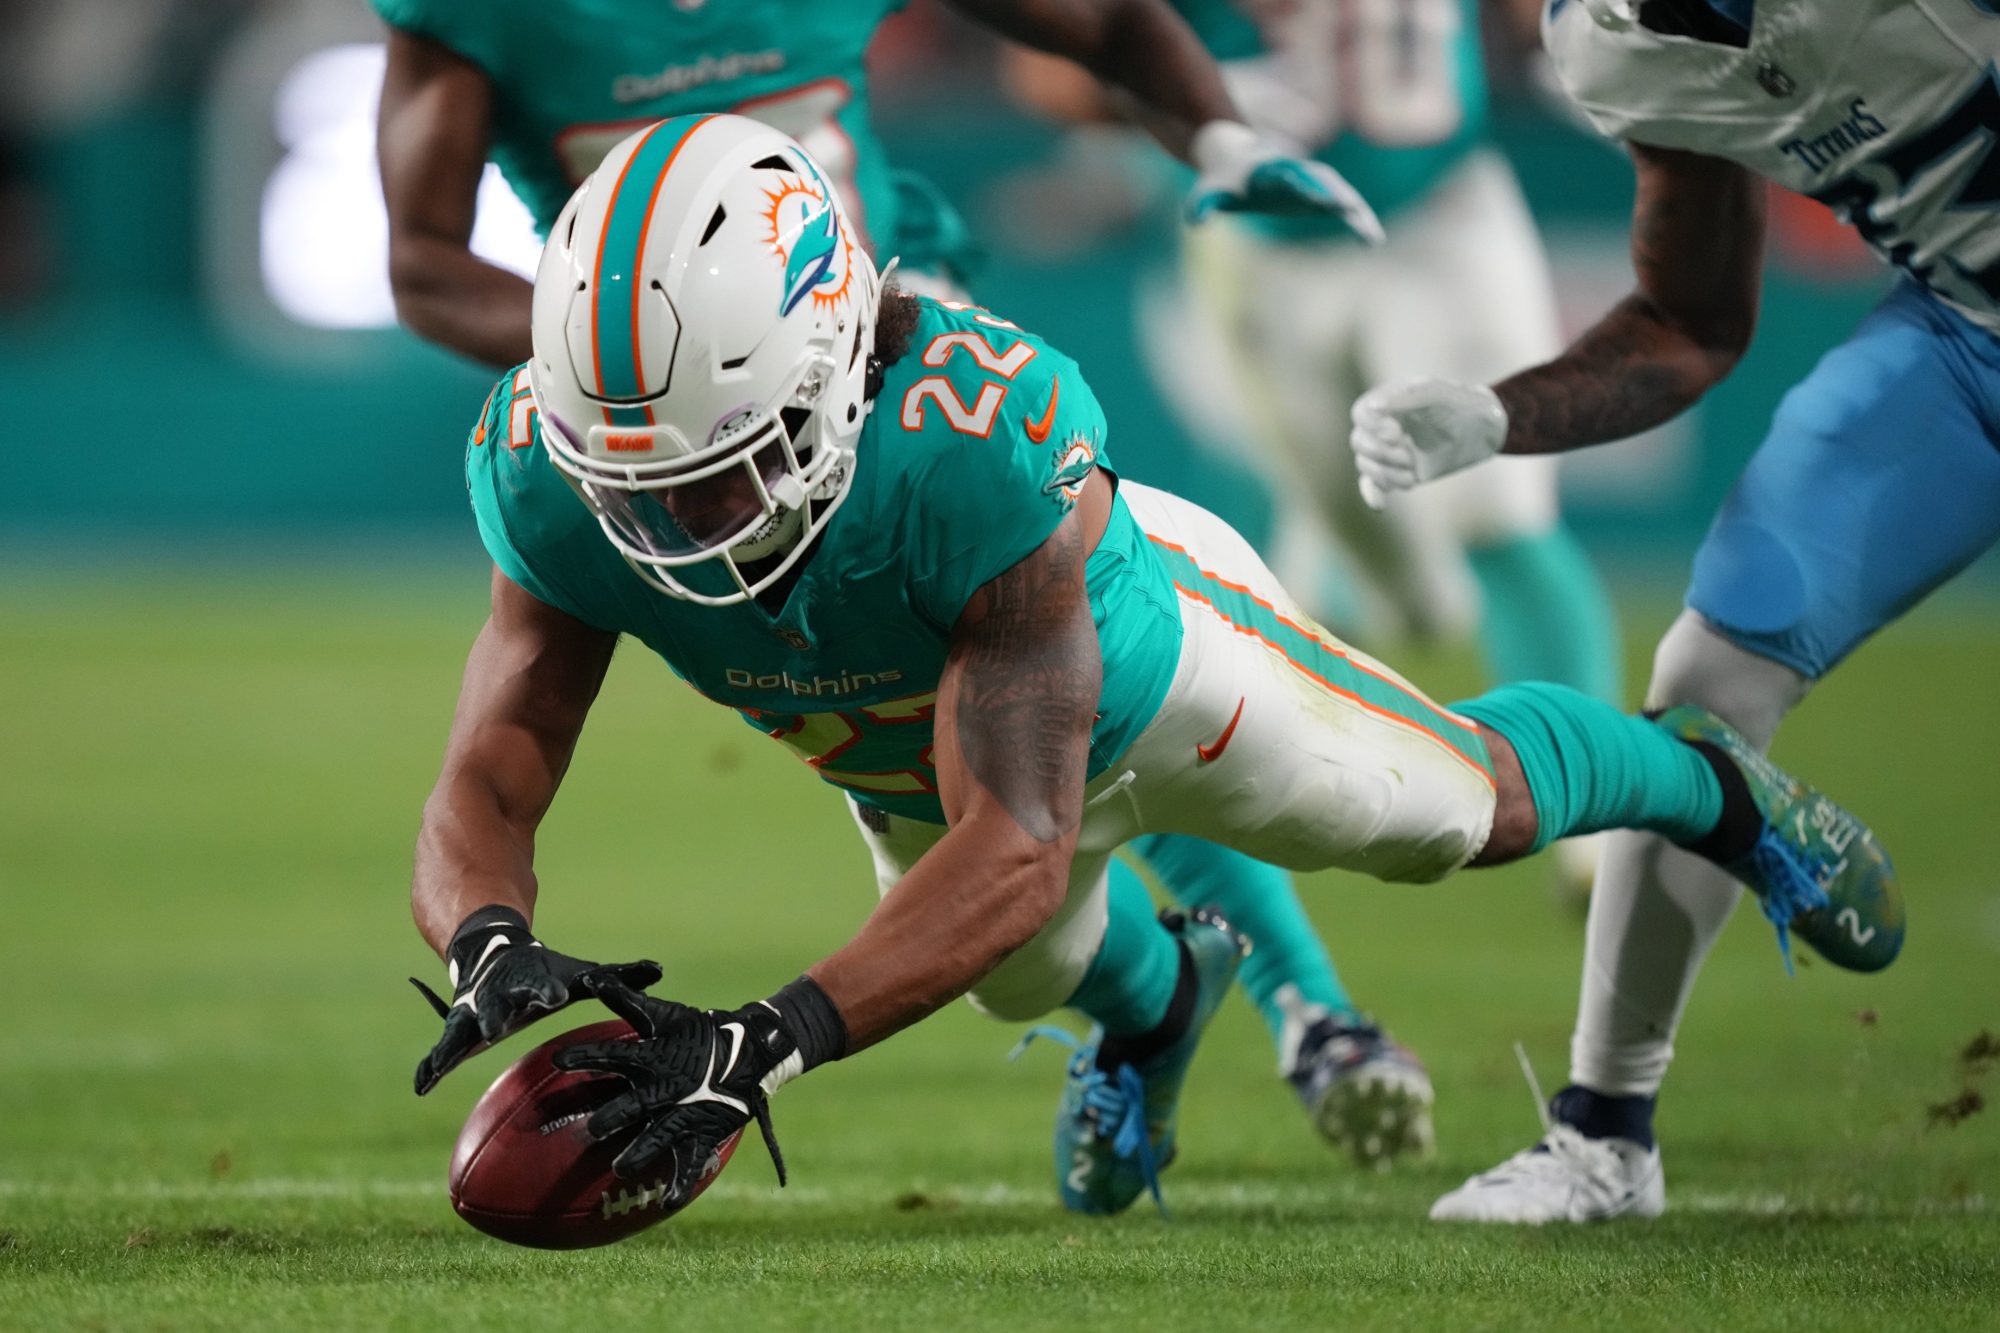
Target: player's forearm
<point>449,296</point>
<point>1629,372</point>
<point>974,898</point>
<point>470,855</point>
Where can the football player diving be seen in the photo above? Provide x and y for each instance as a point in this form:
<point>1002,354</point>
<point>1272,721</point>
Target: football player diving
<point>1877,482</point>
<point>887,530</point>
<point>547,87</point>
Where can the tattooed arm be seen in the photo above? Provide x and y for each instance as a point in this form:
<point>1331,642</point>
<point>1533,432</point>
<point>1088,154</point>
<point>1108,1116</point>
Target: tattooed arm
<point>1697,250</point>
<point>1015,707</point>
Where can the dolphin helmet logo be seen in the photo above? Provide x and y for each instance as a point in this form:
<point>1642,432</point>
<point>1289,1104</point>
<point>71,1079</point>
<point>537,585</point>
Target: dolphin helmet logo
<point>805,232</point>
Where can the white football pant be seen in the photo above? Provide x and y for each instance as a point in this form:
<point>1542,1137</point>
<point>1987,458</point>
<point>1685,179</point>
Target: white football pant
<point>1274,739</point>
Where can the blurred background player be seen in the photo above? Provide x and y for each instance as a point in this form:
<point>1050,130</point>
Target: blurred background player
<point>1877,482</point>
<point>1394,97</point>
<point>545,90</point>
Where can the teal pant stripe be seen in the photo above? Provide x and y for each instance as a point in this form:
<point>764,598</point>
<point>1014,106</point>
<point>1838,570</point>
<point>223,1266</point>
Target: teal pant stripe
<point>615,289</point>
<point>1335,670</point>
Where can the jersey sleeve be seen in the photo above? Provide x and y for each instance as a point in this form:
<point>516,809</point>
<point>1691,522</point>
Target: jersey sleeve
<point>418,16</point>
<point>526,514</point>
<point>1609,90</point>
<point>988,500</point>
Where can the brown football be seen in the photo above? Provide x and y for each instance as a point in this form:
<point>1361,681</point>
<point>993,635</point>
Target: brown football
<point>525,1170</point>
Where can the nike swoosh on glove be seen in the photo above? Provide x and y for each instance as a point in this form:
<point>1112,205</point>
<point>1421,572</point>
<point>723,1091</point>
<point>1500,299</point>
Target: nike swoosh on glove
<point>503,979</point>
<point>697,1076</point>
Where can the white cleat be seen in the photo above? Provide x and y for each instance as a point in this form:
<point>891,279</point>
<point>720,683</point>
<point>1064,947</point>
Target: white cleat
<point>1564,1178</point>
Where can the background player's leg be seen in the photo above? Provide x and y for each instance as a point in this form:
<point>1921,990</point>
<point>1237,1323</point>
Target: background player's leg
<point>1287,316</point>
<point>1477,302</point>
<point>1657,909</point>
<point>1878,482</point>
<point>1547,615</point>
<point>1365,1092</point>
<point>1470,297</point>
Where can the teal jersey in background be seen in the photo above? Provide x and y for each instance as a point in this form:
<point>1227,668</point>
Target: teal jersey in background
<point>573,77</point>
<point>1399,87</point>
<point>978,444</point>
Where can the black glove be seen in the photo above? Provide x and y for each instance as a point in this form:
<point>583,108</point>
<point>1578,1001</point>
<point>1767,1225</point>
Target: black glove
<point>698,1076</point>
<point>503,979</point>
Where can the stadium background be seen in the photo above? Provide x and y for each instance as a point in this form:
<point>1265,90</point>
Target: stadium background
<point>194,194</point>
<point>237,576</point>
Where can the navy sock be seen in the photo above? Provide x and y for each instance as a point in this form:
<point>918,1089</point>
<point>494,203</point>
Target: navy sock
<point>1598,1115</point>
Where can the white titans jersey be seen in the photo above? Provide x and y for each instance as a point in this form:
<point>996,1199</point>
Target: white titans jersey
<point>1886,110</point>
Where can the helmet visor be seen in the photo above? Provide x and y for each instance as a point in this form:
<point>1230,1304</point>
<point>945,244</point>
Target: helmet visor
<point>694,518</point>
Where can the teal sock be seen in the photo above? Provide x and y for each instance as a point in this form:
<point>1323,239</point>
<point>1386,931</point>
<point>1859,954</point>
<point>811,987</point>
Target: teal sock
<point>1547,616</point>
<point>1259,900</point>
<point>1131,981</point>
<point>1591,767</point>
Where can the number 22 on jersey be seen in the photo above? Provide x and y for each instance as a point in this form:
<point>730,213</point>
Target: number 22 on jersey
<point>938,392</point>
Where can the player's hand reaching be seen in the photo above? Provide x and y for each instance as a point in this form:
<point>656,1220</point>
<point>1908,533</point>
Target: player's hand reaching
<point>698,1076</point>
<point>1243,171</point>
<point>503,979</point>
<point>1415,431</point>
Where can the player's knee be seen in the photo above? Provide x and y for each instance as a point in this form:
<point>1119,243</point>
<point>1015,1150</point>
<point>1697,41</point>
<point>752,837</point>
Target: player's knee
<point>1040,976</point>
<point>1022,999</point>
<point>1515,821</point>
<point>1696,664</point>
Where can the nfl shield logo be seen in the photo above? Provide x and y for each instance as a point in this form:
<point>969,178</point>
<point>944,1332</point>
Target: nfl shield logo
<point>794,639</point>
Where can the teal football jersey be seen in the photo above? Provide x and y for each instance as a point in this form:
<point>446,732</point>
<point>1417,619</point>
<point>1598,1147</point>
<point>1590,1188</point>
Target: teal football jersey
<point>573,77</point>
<point>1409,77</point>
<point>979,443</point>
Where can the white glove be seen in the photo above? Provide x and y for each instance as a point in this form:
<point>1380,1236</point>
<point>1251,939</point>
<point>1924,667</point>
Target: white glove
<point>1243,171</point>
<point>1415,431</point>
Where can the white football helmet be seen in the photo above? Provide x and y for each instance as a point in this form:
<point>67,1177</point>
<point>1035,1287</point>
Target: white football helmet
<point>703,320</point>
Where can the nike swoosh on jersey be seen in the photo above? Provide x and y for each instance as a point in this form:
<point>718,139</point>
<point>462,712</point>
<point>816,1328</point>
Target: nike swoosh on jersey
<point>1210,753</point>
<point>1038,431</point>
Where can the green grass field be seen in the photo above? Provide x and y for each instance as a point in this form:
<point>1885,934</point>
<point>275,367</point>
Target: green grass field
<point>208,795</point>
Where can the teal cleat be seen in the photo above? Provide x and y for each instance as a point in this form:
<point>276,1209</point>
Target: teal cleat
<point>1815,868</point>
<point>1115,1127</point>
